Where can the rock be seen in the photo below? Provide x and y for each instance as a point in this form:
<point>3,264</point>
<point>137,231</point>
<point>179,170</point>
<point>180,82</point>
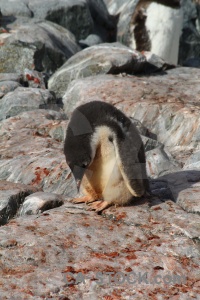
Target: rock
<point>39,202</point>
<point>188,199</point>
<point>192,62</point>
<point>12,195</point>
<point>113,58</point>
<point>25,99</point>
<point>38,253</point>
<point>156,63</point>
<point>72,15</point>
<point>91,40</point>
<point>171,185</point>
<point>48,254</point>
<point>15,8</point>
<point>11,77</point>
<point>165,104</point>
<point>100,59</point>
<point>8,86</point>
<point>38,158</point>
<point>193,162</point>
<point>43,45</point>
<point>150,144</point>
<point>190,38</point>
<point>116,6</point>
<point>81,17</point>
<point>158,163</point>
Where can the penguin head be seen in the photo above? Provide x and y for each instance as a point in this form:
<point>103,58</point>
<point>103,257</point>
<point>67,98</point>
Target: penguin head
<point>78,154</point>
<point>77,147</point>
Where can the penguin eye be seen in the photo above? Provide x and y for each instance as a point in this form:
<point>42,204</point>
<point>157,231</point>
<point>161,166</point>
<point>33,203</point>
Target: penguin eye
<point>84,164</point>
<point>110,138</point>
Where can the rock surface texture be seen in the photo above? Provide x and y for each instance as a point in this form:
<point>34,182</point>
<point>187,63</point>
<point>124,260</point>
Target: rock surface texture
<point>51,248</point>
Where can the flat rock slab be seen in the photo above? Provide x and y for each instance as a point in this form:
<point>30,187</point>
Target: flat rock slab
<point>12,196</point>
<point>48,253</point>
<point>31,151</point>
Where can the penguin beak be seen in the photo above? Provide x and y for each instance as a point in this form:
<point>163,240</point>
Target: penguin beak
<point>78,184</point>
<point>78,173</point>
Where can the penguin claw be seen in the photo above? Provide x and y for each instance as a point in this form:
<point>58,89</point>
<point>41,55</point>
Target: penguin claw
<point>98,206</point>
<point>84,199</point>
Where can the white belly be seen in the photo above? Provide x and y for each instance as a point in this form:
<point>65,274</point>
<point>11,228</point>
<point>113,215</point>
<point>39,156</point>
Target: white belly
<point>104,176</point>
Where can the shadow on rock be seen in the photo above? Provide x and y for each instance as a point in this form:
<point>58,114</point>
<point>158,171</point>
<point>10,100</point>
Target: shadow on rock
<point>177,186</point>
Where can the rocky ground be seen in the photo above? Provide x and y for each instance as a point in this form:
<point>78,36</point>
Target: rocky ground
<point>49,247</point>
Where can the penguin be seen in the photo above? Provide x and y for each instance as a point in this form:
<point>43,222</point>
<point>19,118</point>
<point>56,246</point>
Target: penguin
<point>146,35</point>
<point>106,155</point>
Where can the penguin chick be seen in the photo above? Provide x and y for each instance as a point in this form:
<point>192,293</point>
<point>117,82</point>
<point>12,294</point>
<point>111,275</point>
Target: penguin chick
<point>106,156</point>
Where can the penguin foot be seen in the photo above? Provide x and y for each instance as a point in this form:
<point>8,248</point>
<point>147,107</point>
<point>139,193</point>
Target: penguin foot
<point>98,205</point>
<point>84,199</point>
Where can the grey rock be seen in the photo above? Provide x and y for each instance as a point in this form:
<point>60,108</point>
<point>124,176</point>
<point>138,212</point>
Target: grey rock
<point>91,40</point>
<point>11,196</point>
<point>11,77</point>
<point>72,15</point>
<point>157,63</point>
<point>158,163</point>
<point>172,185</point>
<point>115,6</point>
<point>15,8</point>
<point>150,144</point>
<point>40,202</point>
<point>25,99</point>
<point>44,45</point>
<point>188,199</point>
<point>193,162</point>
<point>101,59</point>
<point>8,86</point>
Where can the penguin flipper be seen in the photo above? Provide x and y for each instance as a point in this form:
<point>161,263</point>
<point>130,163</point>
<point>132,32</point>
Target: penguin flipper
<point>131,160</point>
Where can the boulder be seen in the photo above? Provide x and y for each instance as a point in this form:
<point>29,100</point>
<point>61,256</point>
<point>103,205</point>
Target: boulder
<point>101,59</point>
<point>25,99</point>
<point>12,196</point>
<point>39,202</point>
<point>72,15</point>
<point>112,58</point>
<point>39,45</point>
<point>116,6</point>
<point>8,86</point>
<point>188,199</point>
<point>158,163</point>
